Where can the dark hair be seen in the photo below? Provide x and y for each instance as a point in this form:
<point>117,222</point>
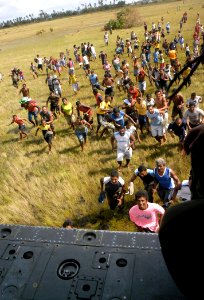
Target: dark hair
<point>191,103</point>
<point>67,222</point>
<point>141,168</point>
<point>141,193</point>
<point>95,90</point>
<point>114,173</point>
<point>116,110</point>
<point>78,102</point>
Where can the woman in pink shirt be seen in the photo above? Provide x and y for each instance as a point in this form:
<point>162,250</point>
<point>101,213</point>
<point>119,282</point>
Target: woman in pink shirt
<point>147,216</point>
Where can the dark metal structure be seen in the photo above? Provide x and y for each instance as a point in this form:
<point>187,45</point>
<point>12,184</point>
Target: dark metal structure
<point>43,263</point>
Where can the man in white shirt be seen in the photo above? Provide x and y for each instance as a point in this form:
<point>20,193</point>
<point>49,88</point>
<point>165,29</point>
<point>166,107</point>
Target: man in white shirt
<point>40,62</point>
<point>194,99</point>
<point>193,116</point>
<point>124,141</point>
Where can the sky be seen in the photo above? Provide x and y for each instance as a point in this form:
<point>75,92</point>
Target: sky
<point>11,9</point>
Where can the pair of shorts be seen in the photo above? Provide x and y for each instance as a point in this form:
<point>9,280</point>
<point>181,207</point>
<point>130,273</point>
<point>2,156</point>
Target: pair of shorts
<point>142,85</point>
<point>136,72</point>
<point>121,154</point>
<point>22,127</point>
<point>157,130</point>
<point>81,135</point>
<point>54,107</point>
<point>165,194</point>
<point>48,137</point>
<point>109,91</point>
<point>142,119</point>
<point>40,67</point>
<point>68,118</point>
<point>32,114</point>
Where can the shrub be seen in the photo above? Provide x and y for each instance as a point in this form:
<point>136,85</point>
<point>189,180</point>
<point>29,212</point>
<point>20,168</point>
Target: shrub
<point>127,18</point>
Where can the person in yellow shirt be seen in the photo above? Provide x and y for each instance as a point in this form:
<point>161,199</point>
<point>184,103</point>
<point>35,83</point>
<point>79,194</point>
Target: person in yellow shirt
<point>47,133</point>
<point>101,111</point>
<point>74,82</point>
<point>141,109</point>
<point>172,56</point>
<point>67,110</point>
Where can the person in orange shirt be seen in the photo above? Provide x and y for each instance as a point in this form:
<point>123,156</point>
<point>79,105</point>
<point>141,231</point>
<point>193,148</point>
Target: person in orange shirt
<point>21,126</point>
<point>172,56</point>
<point>134,91</point>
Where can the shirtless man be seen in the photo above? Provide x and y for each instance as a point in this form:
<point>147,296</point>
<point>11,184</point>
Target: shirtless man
<point>25,91</point>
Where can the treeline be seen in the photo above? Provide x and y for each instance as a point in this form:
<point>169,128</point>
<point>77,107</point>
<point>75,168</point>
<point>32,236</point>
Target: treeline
<point>44,16</point>
<point>83,9</point>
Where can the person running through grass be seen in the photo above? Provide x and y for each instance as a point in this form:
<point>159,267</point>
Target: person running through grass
<point>21,126</point>
<point>24,90</point>
<point>33,70</point>
<point>155,121</point>
<point>114,187</point>
<point>148,179</point>
<point>73,80</point>
<point>67,111</point>
<point>102,110</point>
<point>33,109</point>
<point>86,110</point>
<point>81,130</point>
<point>178,128</point>
<point>167,183</point>
<point>54,100</point>
<point>48,116</point>
<point>47,133</point>
<point>124,141</point>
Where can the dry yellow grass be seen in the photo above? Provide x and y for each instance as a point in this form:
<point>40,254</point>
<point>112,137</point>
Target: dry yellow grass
<point>37,189</point>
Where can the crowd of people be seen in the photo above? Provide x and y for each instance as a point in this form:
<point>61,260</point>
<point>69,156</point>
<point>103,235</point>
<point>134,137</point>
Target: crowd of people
<point>136,67</point>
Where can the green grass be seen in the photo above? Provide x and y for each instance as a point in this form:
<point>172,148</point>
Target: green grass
<point>41,189</point>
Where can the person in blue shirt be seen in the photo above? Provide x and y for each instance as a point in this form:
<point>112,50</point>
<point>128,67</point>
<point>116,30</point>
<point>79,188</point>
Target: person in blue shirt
<point>117,117</point>
<point>155,121</point>
<point>167,182</point>
<point>94,81</point>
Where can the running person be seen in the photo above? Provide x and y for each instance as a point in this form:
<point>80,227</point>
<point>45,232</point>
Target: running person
<point>81,130</point>
<point>21,126</point>
<point>114,187</point>
<point>124,142</point>
<point>47,133</point>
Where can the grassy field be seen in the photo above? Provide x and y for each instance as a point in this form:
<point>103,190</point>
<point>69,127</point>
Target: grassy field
<point>41,189</point>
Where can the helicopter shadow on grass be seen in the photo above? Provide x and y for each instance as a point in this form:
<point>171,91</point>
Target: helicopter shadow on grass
<point>34,141</point>
<point>13,131</point>
<point>106,171</point>
<point>64,132</point>
<point>13,140</point>
<point>164,150</point>
<point>73,149</point>
<point>38,152</point>
<point>103,217</point>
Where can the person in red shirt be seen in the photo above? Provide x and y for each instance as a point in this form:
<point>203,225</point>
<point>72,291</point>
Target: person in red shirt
<point>86,110</point>
<point>134,91</point>
<point>33,110</point>
<point>21,126</point>
<point>98,97</point>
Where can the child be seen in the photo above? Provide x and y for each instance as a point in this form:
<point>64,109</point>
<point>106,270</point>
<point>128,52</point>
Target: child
<point>21,126</point>
<point>47,133</point>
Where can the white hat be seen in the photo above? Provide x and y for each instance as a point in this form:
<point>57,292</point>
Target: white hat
<point>55,76</point>
<point>126,101</point>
